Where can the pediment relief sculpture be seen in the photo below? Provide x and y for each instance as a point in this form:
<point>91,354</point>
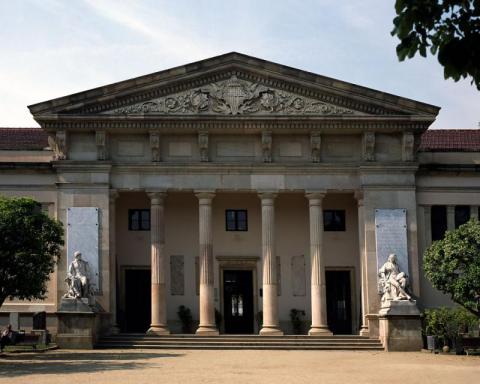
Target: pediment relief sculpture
<point>234,97</point>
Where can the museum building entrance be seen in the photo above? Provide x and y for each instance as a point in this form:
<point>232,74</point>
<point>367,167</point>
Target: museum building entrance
<point>238,301</point>
<point>339,302</point>
<point>137,300</point>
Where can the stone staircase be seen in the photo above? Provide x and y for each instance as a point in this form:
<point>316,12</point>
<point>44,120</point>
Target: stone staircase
<point>235,342</point>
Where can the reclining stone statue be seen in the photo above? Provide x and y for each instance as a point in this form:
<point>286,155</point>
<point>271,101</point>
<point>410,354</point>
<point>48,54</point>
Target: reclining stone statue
<point>393,283</point>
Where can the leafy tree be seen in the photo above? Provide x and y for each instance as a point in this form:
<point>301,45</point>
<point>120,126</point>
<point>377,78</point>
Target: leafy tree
<point>30,244</point>
<point>450,28</point>
<point>453,265</point>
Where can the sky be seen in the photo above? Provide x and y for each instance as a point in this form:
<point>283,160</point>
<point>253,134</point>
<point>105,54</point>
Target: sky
<point>52,48</point>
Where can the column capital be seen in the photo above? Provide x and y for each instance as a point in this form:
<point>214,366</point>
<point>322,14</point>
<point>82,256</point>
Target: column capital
<point>315,197</point>
<point>359,196</point>
<point>113,195</point>
<point>157,197</point>
<point>205,197</point>
<point>267,197</point>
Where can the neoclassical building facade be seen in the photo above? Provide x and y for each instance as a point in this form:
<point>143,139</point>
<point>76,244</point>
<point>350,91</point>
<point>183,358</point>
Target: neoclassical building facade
<point>241,189</point>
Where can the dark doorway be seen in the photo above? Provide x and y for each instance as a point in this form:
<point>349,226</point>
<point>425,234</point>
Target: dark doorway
<point>339,302</point>
<point>238,301</point>
<point>137,300</point>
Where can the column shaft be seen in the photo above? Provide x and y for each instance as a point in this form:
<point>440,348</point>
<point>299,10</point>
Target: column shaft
<point>270,299</point>
<point>318,289</point>
<point>363,264</point>
<point>113,260</point>
<point>157,241</point>
<point>207,325</point>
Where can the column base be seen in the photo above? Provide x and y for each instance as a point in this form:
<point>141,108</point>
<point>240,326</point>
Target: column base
<point>320,331</point>
<point>271,331</point>
<point>364,332</point>
<point>114,330</point>
<point>158,330</point>
<point>207,331</point>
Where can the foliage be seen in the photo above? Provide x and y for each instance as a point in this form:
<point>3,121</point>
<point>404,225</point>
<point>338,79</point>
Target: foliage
<point>453,265</point>
<point>448,323</point>
<point>450,28</point>
<point>30,245</point>
<point>259,318</point>
<point>185,316</point>
<point>297,318</point>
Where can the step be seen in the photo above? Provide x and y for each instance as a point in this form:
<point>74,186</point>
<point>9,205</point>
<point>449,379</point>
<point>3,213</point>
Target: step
<point>231,342</point>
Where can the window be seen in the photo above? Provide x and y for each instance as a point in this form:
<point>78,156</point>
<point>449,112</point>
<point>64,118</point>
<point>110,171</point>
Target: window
<point>438,221</point>
<point>236,220</point>
<point>138,219</point>
<point>462,215</point>
<point>333,220</point>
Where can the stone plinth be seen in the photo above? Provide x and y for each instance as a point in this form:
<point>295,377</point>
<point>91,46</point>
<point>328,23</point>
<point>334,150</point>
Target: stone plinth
<point>79,324</point>
<point>400,326</point>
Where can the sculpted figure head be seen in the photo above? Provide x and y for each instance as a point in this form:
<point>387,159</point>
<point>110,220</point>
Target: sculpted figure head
<point>77,255</point>
<point>392,258</point>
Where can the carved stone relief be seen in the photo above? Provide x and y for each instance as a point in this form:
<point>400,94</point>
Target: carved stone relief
<point>234,97</point>
<point>267,146</point>
<point>58,144</point>
<point>203,146</point>
<point>298,276</point>
<point>315,144</point>
<point>369,146</point>
<point>101,143</point>
<point>155,146</point>
<point>177,275</point>
<point>408,147</point>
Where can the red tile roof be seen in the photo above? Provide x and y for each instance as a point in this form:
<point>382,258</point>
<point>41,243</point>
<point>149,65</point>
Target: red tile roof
<point>450,140</point>
<point>23,139</point>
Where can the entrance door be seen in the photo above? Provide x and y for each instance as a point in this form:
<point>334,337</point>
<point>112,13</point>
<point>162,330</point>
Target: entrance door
<point>137,300</point>
<point>339,302</point>
<point>238,301</point>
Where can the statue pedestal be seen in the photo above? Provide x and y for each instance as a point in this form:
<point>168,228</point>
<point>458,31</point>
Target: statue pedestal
<point>400,326</point>
<point>79,324</point>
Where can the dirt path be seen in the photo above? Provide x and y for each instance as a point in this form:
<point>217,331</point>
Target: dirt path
<point>284,367</point>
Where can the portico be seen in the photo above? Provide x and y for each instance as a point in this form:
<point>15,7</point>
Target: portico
<point>245,191</point>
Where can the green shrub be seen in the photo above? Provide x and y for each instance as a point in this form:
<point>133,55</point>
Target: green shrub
<point>297,318</point>
<point>447,324</point>
<point>186,318</point>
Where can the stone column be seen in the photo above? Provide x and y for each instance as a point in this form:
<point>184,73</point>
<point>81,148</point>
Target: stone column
<point>113,260</point>
<point>207,325</point>
<point>157,241</point>
<point>474,212</point>
<point>271,325</point>
<point>427,209</point>
<point>318,289</point>
<point>363,263</point>
<point>450,217</point>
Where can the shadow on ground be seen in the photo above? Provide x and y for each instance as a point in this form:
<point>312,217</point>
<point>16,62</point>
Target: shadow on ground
<point>13,365</point>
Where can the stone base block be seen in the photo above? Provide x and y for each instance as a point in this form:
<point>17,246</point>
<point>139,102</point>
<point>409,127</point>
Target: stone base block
<point>158,331</point>
<point>271,331</point>
<point>207,331</point>
<point>400,326</point>
<point>320,331</point>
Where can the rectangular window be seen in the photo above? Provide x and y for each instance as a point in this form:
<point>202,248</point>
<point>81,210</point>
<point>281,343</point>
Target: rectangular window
<point>438,221</point>
<point>236,220</point>
<point>462,215</point>
<point>138,219</point>
<point>334,220</point>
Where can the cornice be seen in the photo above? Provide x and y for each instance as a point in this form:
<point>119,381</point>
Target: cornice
<point>215,124</point>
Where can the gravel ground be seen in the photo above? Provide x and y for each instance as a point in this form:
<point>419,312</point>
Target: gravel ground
<point>285,367</point>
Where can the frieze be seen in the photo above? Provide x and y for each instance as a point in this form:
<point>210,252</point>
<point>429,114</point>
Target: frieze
<point>234,97</point>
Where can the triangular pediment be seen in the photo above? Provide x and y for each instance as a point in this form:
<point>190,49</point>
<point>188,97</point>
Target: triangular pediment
<point>231,97</point>
<point>232,85</point>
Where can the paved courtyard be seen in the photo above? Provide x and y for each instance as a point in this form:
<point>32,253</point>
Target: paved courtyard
<point>186,367</point>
